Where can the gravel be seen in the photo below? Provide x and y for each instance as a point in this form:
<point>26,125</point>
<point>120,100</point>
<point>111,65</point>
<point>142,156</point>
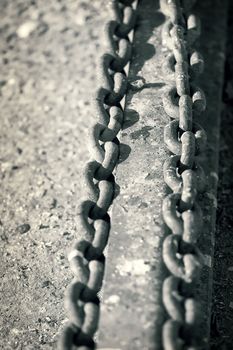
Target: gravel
<point>48,56</point>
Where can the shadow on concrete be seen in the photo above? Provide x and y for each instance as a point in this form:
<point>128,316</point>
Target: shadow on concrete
<point>142,52</point>
<point>222,302</point>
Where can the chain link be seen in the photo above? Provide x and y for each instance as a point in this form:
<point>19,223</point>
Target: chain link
<point>87,260</point>
<point>185,139</point>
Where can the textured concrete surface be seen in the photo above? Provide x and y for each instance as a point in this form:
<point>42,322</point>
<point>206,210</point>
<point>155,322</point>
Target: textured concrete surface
<point>48,53</point>
<point>131,313</point>
<point>131,298</point>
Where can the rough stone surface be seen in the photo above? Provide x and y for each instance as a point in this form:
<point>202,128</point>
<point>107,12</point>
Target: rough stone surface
<point>47,77</point>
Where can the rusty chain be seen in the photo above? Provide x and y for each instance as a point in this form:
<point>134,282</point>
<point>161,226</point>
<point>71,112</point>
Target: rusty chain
<point>86,258</point>
<point>185,139</point>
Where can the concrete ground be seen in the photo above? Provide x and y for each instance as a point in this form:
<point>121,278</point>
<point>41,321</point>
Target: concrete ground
<point>49,52</point>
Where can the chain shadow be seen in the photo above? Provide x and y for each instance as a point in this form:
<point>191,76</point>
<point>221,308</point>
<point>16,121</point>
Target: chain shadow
<point>148,19</point>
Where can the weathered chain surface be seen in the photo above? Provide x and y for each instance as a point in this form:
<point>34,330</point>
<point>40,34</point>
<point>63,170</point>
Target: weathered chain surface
<point>86,258</point>
<point>185,139</point>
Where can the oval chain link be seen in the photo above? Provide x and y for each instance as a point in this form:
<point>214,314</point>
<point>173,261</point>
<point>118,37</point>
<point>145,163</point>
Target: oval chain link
<point>87,260</point>
<point>185,139</point>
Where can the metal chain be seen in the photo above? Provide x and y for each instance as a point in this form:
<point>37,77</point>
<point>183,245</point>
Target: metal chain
<point>185,139</point>
<point>86,258</point>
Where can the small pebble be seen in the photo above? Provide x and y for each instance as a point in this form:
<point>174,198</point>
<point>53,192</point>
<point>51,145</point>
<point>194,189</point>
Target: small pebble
<point>41,227</point>
<point>23,228</point>
<point>47,108</point>
<point>66,233</point>
<point>113,299</point>
<point>138,84</point>
<point>45,284</point>
<point>48,319</point>
<point>26,29</point>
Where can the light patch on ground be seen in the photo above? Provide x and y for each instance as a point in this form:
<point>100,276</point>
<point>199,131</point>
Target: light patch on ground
<point>113,299</point>
<point>134,267</point>
<point>26,29</point>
